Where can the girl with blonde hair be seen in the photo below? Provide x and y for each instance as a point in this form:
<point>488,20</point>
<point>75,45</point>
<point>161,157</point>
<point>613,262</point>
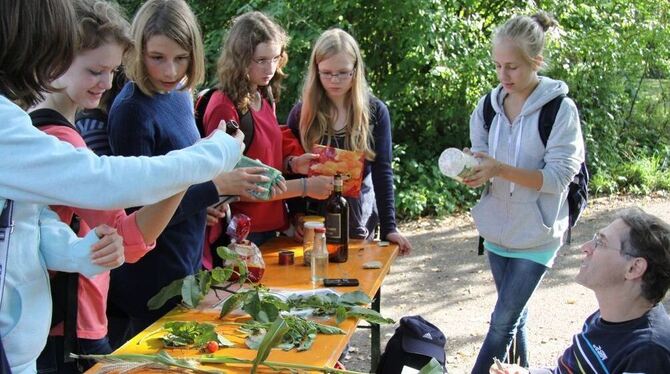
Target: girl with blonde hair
<point>249,72</point>
<point>523,213</point>
<point>338,110</point>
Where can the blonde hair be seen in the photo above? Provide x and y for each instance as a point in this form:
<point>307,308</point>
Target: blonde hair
<point>175,20</point>
<point>528,33</point>
<point>248,31</point>
<point>318,111</point>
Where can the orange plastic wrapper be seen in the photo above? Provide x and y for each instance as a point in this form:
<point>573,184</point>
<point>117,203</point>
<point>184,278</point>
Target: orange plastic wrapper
<point>349,164</point>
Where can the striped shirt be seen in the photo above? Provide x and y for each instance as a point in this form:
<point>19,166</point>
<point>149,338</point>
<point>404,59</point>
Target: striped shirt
<point>637,346</point>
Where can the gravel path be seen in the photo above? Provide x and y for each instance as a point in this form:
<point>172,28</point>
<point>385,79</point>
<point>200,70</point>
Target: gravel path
<point>445,281</point>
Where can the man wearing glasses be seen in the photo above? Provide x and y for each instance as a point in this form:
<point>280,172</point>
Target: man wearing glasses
<point>627,265</point>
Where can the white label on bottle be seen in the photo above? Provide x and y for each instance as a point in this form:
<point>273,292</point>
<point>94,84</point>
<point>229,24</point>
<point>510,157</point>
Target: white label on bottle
<point>333,229</point>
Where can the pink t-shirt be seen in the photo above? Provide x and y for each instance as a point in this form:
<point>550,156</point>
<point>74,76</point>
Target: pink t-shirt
<point>92,293</point>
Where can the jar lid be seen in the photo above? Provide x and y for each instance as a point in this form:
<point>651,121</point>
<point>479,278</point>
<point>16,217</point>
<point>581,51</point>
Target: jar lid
<point>314,219</point>
<point>313,225</point>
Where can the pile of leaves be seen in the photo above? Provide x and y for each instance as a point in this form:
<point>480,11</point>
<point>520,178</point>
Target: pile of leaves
<point>192,334</point>
<point>299,335</point>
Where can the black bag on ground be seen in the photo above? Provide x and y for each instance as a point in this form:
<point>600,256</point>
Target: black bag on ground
<point>414,343</point>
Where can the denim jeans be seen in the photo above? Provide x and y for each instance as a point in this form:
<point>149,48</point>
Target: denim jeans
<point>516,280</point>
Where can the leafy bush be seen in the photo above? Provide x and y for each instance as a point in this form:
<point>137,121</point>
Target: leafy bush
<point>429,60</point>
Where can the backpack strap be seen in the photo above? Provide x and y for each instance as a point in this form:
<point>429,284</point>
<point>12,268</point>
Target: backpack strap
<point>548,117</point>
<point>488,112</point>
<point>6,228</point>
<point>49,117</point>
<point>200,107</point>
<point>247,127</point>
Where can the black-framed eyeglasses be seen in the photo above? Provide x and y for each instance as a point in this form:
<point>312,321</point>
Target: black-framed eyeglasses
<point>341,76</point>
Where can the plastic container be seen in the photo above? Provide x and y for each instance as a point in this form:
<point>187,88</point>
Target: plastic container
<point>456,164</point>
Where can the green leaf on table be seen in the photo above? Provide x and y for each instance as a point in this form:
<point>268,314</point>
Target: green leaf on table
<point>233,302</point>
<point>204,281</point>
<point>340,314</point>
<point>165,294</point>
<point>188,333</point>
<point>368,315</point>
<point>355,298</point>
<point>274,336</point>
<point>307,342</point>
<point>190,291</point>
<point>328,330</point>
<point>432,367</point>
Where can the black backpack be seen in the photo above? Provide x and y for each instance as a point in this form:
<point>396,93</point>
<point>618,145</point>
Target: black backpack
<point>246,121</point>
<point>64,286</point>
<point>414,343</point>
<point>578,190</point>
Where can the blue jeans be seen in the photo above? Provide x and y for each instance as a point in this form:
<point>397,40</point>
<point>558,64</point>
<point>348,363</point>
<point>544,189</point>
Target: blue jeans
<point>516,280</point>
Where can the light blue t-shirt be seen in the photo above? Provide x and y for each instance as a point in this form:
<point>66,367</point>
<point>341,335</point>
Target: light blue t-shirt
<point>543,257</point>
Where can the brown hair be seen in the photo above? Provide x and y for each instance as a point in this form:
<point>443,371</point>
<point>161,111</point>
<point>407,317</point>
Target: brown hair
<point>649,238</point>
<point>173,19</point>
<point>248,31</point>
<point>37,45</point>
<point>100,22</point>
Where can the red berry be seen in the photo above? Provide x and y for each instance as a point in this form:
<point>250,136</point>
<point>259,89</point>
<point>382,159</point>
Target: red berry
<point>212,346</point>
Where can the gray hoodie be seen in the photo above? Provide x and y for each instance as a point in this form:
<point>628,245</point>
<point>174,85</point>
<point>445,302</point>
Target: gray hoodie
<point>513,216</point>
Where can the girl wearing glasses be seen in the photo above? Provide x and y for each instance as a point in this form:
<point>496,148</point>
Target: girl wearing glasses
<point>523,212</point>
<point>249,74</point>
<point>337,109</point>
<point>153,115</point>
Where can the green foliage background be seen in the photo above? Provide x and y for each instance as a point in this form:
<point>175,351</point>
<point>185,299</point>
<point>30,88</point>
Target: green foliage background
<point>429,60</point>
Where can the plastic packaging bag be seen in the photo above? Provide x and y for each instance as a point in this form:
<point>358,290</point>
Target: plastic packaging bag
<point>238,230</point>
<point>273,174</point>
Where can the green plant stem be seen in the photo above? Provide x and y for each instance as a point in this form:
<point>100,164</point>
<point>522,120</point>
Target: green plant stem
<point>150,334</point>
<point>275,365</point>
<point>209,360</point>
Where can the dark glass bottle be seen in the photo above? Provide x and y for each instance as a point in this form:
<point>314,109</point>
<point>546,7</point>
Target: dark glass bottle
<point>337,224</point>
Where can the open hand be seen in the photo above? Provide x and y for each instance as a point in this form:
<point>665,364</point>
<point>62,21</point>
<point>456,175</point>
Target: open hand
<point>241,182</point>
<point>108,251</point>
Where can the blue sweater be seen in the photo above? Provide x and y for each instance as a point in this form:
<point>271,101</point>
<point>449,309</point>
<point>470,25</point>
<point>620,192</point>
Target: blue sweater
<point>143,125</point>
<point>377,186</point>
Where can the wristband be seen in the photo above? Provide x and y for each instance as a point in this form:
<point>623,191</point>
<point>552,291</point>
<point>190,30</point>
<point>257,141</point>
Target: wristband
<point>304,186</point>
